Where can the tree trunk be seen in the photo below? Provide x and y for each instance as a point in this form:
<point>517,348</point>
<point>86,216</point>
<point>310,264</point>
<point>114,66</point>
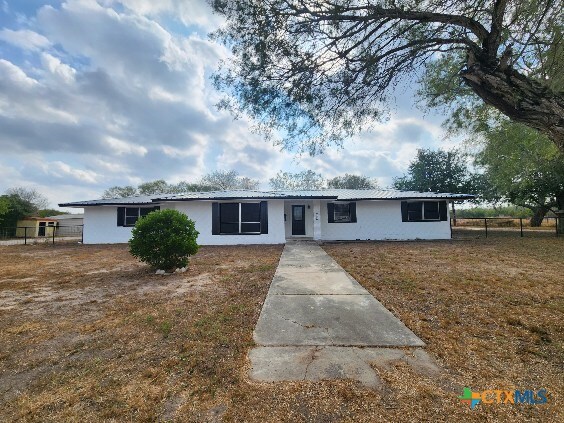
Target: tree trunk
<point>538,216</point>
<point>520,98</point>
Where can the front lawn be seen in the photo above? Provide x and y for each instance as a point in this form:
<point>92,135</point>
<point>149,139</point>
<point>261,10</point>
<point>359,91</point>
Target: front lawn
<point>89,334</point>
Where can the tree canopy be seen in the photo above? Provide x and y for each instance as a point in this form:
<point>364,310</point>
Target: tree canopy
<point>348,181</point>
<point>438,171</point>
<point>30,195</point>
<point>305,180</point>
<point>14,208</point>
<point>228,179</point>
<point>217,180</point>
<point>522,167</point>
<point>317,71</point>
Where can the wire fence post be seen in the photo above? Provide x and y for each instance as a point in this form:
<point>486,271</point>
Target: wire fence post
<point>486,225</point>
<point>82,234</point>
<point>25,234</point>
<point>53,231</point>
<point>521,224</point>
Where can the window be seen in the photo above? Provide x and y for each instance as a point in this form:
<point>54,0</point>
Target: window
<point>341,212</point>
<point>128,216</point>
<point>423,211</point>
<point>241,218</point>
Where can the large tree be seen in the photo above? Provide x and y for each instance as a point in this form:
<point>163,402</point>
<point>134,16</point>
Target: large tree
<point>120,192</point>
<point>31,195</point>
<point>439,171</point>
<point>228,179</point>
<point>13,209</point>
<point>523,167</point>
<point>305,180</point>
<point>351,181</point>
<point>318,71</point>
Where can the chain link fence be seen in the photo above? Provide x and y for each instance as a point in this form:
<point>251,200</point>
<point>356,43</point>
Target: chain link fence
<point>502,226</point>
<point>41,234</point>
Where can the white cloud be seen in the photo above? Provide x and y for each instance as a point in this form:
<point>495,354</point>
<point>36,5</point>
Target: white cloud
<point>61,70</point>
<point>24,39</point>
<point>105,95</point>
<point>120,147</point>
<point>16,76</point>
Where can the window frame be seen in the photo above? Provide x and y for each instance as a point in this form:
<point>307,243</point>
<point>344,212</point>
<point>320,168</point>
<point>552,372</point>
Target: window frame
<point>130,216</point>
<point>331,212</point>
<point>343,218</point>
<point>240,221</point>
<point>423,217</point>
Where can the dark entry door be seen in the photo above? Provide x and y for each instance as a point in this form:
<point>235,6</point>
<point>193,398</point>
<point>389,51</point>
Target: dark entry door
<point>298,220</point>
<point>41,231</point>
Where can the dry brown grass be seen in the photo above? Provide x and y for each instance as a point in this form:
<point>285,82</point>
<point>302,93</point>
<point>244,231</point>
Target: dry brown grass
<point>88,334</point>
<point>489,310</point>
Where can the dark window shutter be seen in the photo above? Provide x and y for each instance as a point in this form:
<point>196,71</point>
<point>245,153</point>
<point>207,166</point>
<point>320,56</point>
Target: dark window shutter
<point>404,211</point>
<point>215,218</point>
<point>330,213</point>
<point>121,216</point>
<point>352,208</point>
<point>443,210</point>
<point>264,217</point>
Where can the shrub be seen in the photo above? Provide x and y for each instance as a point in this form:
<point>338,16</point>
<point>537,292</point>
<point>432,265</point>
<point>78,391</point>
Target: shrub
<point>164,239</point>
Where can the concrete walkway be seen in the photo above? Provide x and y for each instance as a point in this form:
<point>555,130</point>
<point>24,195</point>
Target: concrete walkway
<point>318,323</point>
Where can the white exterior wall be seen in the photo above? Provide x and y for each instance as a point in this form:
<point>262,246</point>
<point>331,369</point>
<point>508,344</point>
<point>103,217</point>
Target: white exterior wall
<point>376,220</point>
<point>100,224</point>
<point>381,220</point>
<point>201,213</point>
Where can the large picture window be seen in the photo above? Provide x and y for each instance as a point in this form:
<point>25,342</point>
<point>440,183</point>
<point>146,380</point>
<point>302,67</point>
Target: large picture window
<point>240,218</point>
<point>424,211</point>
<point>128,216</point>
<point>341,212</point>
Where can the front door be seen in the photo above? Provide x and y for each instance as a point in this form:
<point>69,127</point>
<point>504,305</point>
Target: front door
<point>41,231</point>
<point>298,220</point>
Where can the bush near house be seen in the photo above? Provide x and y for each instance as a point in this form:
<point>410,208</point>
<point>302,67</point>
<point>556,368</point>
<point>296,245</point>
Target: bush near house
<point>164,239</point>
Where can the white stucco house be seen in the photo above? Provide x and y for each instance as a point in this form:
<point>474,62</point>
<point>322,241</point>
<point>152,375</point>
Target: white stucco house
<point>272,217</point>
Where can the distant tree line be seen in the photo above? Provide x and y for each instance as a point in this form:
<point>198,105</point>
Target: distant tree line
<point>231,180</point>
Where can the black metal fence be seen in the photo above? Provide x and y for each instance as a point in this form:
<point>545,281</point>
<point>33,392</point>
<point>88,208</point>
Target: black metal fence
<point>503,226</point>
<point>37,234</point>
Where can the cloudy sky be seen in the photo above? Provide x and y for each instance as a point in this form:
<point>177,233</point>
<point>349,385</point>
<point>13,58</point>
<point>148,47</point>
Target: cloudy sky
<point>96,93</point>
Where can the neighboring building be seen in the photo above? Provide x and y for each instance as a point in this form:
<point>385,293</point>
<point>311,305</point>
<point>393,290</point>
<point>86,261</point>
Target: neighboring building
<point>69,224</point>
<point>33,227</point>
<point>272,217</point>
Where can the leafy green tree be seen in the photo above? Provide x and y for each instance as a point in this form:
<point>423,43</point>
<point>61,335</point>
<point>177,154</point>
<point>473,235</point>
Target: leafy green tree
<point>305,180</point>
<point>14,208</point>
<point>348,181</point>
<point>4,205</point>
<point>217,180</point>
<point>184,186</point>
<point>227,180</point>
<point>50,212</point>
<point>523,168</point>
<point>439,171</point>
<point>30,195</point>
<point>317,72</point>
<point>159,186</point>
<point>164,239</point>
<point>120,192</point>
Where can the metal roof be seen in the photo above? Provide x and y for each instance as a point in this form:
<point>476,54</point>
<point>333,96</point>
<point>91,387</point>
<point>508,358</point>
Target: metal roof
<point>328,194</point>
